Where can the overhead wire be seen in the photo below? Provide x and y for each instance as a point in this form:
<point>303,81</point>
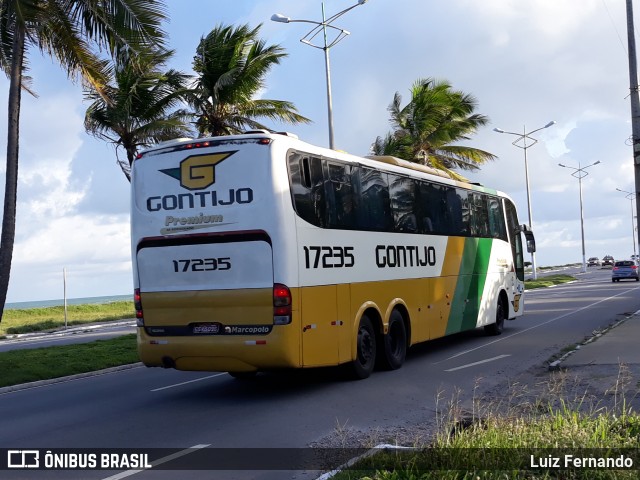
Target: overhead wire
<point>604,3</point>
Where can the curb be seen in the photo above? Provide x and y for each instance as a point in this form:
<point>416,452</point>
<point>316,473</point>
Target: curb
<point>70,378</point>
<point>68,331</point>
<point>555,366</point>
<point>369,453</point>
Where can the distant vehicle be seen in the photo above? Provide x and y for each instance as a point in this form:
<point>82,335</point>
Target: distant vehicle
<point>635,257</point>
<point>625,269</point>
<point>593,262</point>
<point>608,260</point>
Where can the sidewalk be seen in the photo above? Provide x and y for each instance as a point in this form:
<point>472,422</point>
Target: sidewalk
<point>618,345</point>
<point>603,373</point>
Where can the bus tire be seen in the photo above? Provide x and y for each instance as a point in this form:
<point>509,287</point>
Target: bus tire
<point>497,327</point>
<point>365,360</point>
<point>394,343</point>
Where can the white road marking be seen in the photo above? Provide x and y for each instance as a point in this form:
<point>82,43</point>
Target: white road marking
<point>477,363</point>
<point>184,383</point>
<point>160,461</point>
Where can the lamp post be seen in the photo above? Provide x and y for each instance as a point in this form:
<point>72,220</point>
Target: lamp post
<point>631,196</point>
<point>580,173</point>
<point>525,141</point>
<point>321,27</point>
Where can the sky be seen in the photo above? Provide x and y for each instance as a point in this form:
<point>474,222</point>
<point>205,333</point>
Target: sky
<point>526,63</point>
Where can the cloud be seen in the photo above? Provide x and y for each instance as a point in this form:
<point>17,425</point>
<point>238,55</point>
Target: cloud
<point>57,225</point>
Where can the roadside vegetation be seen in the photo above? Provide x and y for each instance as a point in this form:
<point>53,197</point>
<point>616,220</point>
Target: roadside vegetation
<point>30,365</point>
<point>52,318</point>
<point>548,281</point>
<point>502,435</point>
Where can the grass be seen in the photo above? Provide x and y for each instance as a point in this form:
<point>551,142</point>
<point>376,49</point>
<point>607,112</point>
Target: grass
<point>30,365</point>
<point>548,281</point>
<point>50,318</point>
<point>496,440</point>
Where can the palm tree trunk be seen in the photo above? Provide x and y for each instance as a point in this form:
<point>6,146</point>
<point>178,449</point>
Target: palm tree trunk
<point>131,156</point>
<point>11,183</point>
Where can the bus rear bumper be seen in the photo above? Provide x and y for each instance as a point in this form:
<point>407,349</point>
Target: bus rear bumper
<point>214,353</point>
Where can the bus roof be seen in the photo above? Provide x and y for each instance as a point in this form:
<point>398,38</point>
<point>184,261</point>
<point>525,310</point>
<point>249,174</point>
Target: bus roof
<point>392,163</point>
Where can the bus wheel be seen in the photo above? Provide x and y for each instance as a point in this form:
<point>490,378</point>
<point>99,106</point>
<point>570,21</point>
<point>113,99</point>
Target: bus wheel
<point>496,328</point>
<point>365,360</point>
<point>395,343</point>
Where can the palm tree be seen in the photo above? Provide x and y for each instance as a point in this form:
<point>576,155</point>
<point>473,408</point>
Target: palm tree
<point>231,63</point>
<point>66,30</point>
<point>425,130</point>
<point>139,105</point>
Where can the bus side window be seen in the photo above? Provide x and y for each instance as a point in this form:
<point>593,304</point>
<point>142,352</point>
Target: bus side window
<point>459,206</point>
<point>340,195</point>
<point>497,227</point>
<point>423,207</point>
<point>479,215</point>
<point>305,178</point>
<point>513,228</point>
<point>374,209</point>
<point>403,195</point>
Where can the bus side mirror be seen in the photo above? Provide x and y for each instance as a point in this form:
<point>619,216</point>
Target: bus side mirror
<point>528,235</point>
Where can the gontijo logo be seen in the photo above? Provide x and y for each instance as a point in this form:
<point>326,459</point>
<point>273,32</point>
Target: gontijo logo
<point>197,171</point>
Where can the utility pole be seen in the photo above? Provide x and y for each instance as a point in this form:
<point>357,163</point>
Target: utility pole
<point>635,104</point>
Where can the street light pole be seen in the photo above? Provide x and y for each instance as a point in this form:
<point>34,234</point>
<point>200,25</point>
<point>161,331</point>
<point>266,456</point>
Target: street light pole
<point>634,96</point>
<point>327,69</point>
<point>580,173</point>
<point>631,196</point>
<point>525,141</point>
<point>325,46</point>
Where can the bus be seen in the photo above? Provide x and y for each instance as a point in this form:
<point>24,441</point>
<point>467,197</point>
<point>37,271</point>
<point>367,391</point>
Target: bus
<point>259,251</point>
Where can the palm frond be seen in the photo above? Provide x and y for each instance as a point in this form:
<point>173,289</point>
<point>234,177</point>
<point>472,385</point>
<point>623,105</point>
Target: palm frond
<point>430,126</point>
<point>231,64</point>
<point>141,103</point>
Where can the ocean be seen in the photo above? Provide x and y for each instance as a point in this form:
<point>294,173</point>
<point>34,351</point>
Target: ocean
<point>70,301</point>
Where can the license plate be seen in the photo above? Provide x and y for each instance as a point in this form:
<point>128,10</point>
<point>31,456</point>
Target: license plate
<point>206,328</point>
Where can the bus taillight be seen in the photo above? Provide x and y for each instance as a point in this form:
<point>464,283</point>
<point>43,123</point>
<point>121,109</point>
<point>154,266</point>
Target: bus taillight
<point>281,304</point>
<point>137,303</point>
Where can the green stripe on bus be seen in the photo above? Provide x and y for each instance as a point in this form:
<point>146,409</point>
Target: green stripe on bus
<point>472,277</point>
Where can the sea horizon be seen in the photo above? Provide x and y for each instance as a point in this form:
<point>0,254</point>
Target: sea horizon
<point>70,301</point>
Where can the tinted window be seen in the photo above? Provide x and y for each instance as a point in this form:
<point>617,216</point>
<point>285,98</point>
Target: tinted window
<point>497,228</point>
<point>331,194</point>
<point>307,188</point>
<point>479,215</point>
<point>340,195</point>
<point>402,193</point>
<point>373,210</point>
<point>624,263</point>
<point>516,240</point>
<point>459,205</point>
<point>440,209</point>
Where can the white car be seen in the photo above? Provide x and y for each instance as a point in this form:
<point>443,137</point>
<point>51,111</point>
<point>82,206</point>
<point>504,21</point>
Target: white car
<point>593,262</point>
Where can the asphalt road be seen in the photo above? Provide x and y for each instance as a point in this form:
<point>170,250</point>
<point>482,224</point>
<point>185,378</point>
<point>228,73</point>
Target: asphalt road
<point>153,408</point>
<point>76,334</point>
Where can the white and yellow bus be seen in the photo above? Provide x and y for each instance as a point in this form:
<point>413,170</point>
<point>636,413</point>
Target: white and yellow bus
<point>260,251</point>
